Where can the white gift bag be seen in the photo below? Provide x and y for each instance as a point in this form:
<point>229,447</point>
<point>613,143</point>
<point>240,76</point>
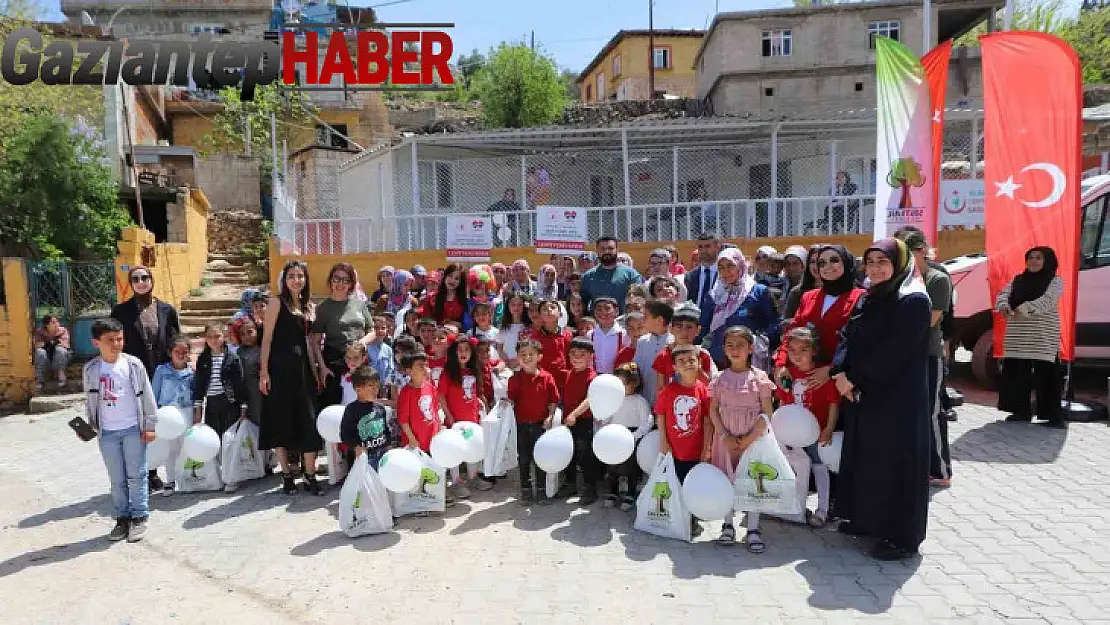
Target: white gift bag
<point>499,432</point>
<point>194,476</point>
<point>240,458</point>
<point>337,464</point>
<point>551,487</point>
<point>364,506</point>
<point>659,508</point>
<point>430,494</point>
<point>765,482</point>
<point>800,464</point>
<point>501,385</point>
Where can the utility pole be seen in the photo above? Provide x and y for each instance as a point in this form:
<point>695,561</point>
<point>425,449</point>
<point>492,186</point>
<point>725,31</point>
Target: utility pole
<point>131,151</point>
<point>651,52</point>
<point>927,27</point>
<point>533,41</point>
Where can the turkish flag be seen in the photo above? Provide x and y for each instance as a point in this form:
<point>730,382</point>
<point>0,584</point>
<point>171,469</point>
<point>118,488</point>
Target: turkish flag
<point>1033,123</point>
<point>935,64</point>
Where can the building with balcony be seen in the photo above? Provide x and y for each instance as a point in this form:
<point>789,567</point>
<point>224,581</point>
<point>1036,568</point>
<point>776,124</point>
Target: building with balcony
<point>620,71</point>
<point>817,60</point>
<point>239,20</point>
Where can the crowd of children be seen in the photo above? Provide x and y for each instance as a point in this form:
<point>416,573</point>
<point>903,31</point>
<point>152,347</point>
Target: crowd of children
<point>437,356</point>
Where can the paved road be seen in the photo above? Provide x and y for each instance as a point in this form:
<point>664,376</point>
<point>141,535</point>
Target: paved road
<point>1020,538</point>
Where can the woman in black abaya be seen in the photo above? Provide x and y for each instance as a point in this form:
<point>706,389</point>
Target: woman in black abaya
<point>881,367</point>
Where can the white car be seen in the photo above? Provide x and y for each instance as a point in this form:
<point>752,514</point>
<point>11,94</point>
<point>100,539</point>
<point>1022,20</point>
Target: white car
<point>973,303</point>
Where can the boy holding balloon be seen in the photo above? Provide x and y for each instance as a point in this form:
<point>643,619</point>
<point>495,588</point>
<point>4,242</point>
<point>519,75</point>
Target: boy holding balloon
<point>581,422</point>
<point>119,406</point>
<point>365,426</point>
<point>534,396</point>
<point>682,413</point>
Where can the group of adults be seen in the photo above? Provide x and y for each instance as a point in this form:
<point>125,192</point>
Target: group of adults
<point>879,330</point>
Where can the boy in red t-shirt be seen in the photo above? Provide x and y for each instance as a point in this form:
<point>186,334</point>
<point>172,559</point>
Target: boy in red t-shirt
<point>554,342</point>
<point>823,401</point>
<point>685,328</point>
<point>418,405</point>
<point>534,396</point>
<point>682,410</point>
<point>581,423</point>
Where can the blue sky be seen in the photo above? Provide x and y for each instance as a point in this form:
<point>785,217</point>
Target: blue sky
<point>572,31</point>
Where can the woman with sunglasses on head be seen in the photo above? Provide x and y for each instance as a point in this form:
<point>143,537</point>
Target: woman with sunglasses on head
<point>149,325</point>
<point>341,320</point>
<point>825,309</point>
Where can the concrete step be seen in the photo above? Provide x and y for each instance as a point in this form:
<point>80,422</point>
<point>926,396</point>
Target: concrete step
<point>230,259</point>
<point>229,279</point>
<point>51,403</point>
<point>202,303</point>
<point>211,312</point>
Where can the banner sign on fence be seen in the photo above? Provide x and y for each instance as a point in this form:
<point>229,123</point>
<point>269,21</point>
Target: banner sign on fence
<point>469,239</point>
<point>560,229</point>
<point>961,204</point>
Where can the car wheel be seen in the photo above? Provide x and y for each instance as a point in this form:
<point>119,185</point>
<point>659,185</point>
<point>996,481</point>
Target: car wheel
<point>983,363</point>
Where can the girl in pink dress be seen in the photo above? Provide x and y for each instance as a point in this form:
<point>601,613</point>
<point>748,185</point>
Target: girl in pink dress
<point>739,395</point>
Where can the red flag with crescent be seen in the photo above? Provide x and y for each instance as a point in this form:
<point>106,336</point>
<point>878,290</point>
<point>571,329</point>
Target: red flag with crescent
<point>935,64</point>
<point>1033,124</point>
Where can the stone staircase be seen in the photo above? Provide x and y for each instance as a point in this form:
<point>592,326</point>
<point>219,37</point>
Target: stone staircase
<point>219,302</point>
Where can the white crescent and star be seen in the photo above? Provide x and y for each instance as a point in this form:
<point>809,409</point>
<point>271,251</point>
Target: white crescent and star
<point>1059,184</point>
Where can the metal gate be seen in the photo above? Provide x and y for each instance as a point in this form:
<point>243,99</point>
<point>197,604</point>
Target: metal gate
<point>77,293</point>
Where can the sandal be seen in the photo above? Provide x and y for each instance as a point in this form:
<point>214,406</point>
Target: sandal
<point>728,535</point>
<point>815,520</point>
<point>288,486</point>
<point>755,542</point>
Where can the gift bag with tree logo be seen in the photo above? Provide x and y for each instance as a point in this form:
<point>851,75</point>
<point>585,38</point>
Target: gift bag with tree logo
<point>765,482</point>
<point>801,466</point>
<point>195,476</point>
<point>364,506</point>
<point>659,508</point>
<point>240,458</point>
<point>499,433</point>
<point>430,494</point>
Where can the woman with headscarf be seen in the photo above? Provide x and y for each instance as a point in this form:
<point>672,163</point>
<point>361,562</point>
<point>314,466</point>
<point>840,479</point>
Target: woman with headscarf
<point>385,281</point>
<point>811,279</point>
<point>1029,358</point>
<point>881,367</point>
<point>825,310</point>
<point>148,323</point>
<point>286,378</point>
<point>341,320</point>
<point>399,297</point>
<point>737,301</point>
<point>547,283</point>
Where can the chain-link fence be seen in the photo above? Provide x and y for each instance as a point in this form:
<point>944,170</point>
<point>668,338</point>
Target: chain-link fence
<point>71,290</point>
<point>640,181</point>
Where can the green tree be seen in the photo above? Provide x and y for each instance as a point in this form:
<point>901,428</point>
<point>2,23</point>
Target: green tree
<point>21,9</point>
<point>229,127</point>
<point>469,65</point>
<point>520,87</point>
<point>58,197</point>
<point>1090,37</point>
<point>571,78</point>
<point>1046,16</point>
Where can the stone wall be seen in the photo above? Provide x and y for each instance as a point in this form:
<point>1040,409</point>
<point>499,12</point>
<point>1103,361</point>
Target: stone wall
<point>627,110</point>
<point>230,231</point>
<point>230,182</point>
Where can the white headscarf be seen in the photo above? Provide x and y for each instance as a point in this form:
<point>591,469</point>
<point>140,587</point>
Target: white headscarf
<point>728,297</point>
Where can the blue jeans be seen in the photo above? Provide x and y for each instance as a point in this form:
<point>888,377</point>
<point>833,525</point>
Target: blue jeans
<point>124,455</point>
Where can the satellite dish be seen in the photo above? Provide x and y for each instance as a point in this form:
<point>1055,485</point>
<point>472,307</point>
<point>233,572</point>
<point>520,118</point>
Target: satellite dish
<point>86,19</point>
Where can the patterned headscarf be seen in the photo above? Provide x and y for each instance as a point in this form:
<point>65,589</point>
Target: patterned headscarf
<point>245,303</point>
<point>547,289</point>
<point>399,291</point>
<point>728,297</point>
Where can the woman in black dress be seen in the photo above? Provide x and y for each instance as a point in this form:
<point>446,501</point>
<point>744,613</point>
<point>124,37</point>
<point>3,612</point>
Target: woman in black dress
<point>286,379</point>
<point>881,367</point>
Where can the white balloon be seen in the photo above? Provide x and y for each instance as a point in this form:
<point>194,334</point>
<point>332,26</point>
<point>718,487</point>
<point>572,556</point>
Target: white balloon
<point>475,440</point>
<point>647,452</point>
<point>329,422</point>
<point>605,394</point>
<point>794,426</point>
<point>613,444</point>
<point>831,455</point>
<point>498,219</point>
<point>201,443</point>
<point>707,492</point>
<point>170,422</point>
<point>449,448</point>
<point>504,232</point>
<point>399,470</point>
<point>158,453</point>
<point>554,449</point>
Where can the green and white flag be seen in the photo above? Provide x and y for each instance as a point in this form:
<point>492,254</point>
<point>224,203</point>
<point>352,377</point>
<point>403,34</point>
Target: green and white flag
<point>904,144</point>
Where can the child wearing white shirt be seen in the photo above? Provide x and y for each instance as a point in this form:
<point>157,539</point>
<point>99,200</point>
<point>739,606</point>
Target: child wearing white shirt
<point>635,414</point>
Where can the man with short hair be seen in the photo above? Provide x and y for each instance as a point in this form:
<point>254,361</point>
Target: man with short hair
<point>420,282</point>
<point>699,280</point>
<point>609,278</point>
<point>938,286</point>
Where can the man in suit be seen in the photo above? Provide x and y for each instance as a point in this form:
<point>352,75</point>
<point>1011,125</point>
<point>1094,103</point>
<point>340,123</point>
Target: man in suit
<point>700,279</point>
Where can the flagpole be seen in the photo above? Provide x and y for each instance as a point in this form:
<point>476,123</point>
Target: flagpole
<point>1008,15</point>
<point>926,27</point>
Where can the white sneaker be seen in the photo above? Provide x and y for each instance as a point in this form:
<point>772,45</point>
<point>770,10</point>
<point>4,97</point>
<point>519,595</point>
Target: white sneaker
<point>231,488</point>
<point>62,379</point>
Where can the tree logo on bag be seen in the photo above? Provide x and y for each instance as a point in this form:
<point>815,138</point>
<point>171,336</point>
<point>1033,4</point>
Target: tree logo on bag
<point>358,500</point>
<point>760,472</point>
<point>248,447</point>
<point>428,477</point>
<point>661,492</point>
<point>191,466</point>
